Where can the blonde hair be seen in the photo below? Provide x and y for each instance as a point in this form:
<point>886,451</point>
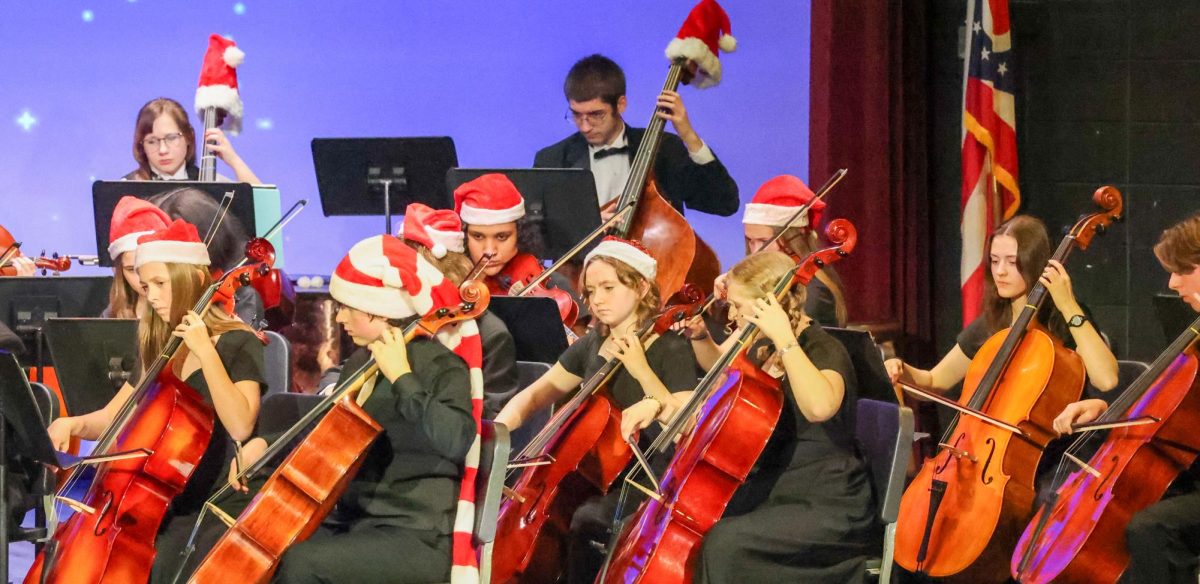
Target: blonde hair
<point>188,283</point>
<point>802,241</point>
<point>758,274</point>
<point>647,306</point>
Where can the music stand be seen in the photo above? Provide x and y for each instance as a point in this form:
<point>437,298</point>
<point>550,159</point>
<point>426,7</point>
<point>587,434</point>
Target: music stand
<point>93,358</point>
<point>535,324</point>
<point>562,200</point>
<point>362,176</point>
<point>873,380</point>
<point>27,303</point>
<point>106,193</point>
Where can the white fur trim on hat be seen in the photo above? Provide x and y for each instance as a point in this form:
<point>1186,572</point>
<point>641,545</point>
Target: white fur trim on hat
<point>694,49</point>
<point>172,252</point>
<point>773,215</point>
<point>633,257</point>
<point>383,301</point>
<point>477,216</point>
<point>222,97</point>
<point>234,56</point>
<point>127,242</point>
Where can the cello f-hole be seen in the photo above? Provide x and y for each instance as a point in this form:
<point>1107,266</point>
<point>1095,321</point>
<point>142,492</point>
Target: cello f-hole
<point>987,464</point>
<point>108,500</point>
<point>1100,488</point>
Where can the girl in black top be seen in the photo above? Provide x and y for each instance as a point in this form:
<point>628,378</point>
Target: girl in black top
<point>619,287</point>
<point>221,359</point>
<point>806,513</point>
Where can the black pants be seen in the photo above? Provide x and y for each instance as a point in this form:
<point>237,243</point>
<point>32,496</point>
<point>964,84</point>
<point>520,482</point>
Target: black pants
<point>365,554</point>
<point>1164,540</point>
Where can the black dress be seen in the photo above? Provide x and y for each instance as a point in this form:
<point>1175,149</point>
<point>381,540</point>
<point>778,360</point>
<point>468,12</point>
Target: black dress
<point>242,355</point>
<point>673,362</point>
<point>807,513</point>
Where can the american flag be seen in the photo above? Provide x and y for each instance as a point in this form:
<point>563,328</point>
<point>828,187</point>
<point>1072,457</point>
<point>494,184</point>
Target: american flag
<point>989,149</point>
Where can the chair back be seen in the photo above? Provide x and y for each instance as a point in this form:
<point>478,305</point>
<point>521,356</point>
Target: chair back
<point>885,434</point>
<point>281,411</point>
<point>277,360</point>
<point>493,462</point>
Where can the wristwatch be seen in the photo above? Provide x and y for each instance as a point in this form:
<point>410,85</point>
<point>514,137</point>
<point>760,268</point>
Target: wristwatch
<point>1077,321</point>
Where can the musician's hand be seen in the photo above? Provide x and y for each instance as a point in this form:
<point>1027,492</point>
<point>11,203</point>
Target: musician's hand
<point>670,108</point>
<point>769,317</point>
<point>721,286</point>
<point>251,452</point>
<point>1080,412</point>
<point>391,354</point>
<point>23,265</point>
<point>695,329</point>
<point>61,431</point>
<point>1058,283</point>
<point>638,416</point>
<point>629,351</point>
<point>194,333</point>
<point>608,210</point>
<point>219,144</point>
<point>895,369</point>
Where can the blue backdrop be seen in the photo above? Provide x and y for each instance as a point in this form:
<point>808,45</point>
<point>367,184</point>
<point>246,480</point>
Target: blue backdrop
<point>486,72</point>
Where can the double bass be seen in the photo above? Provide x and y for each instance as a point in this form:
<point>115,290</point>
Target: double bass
<point>1079,534</point>
<point>736,408</point>
<point>963,512</point>
<point>156,440</point>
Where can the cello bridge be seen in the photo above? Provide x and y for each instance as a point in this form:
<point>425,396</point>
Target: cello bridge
<point>958,452</point>
<point>1082,465</point>
<point>78,506</point>
<point>515,496</point>
<point>220,514</point>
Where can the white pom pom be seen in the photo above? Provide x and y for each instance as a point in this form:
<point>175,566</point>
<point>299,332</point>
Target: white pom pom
<point>233,56</point>
<point>439,250</point>
<point>727,43</point>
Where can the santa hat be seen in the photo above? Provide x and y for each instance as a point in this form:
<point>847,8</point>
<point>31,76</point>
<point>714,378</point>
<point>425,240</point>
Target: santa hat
<point>778,199</point>
<point>491,199</point>
<point>383,276</point>
<point>177,243</point>
<point>704,32</point>
<point>218,81</point>
<point>131,219</point>
<point>439,230</point>
<point>630,252</point>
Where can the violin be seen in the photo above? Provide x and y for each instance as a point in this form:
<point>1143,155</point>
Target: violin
<point>10,248</point>
<point>521,278</point>
<point>1020,379</point>
<point>732,414</point>
<point>151,448</point>
<point>303,490</point>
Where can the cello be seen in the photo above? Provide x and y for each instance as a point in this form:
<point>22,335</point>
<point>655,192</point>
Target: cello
<point>299,494</point>
<point>158,437</point>
<point>736,408</point>
<point>963,512</point>
<point>1079,534</point>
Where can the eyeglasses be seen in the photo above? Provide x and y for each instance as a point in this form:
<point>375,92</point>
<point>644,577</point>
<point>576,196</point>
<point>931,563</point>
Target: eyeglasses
<point>593,118</point>
<point>172,140</point>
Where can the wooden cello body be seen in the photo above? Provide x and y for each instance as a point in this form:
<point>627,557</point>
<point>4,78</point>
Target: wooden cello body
<point>1080,535</point>
<point>962,514</point>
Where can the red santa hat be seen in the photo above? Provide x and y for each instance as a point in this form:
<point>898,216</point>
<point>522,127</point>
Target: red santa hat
<point>629,252</point>
<point>705,31</point>
<point>218,85</point>
<point>439,230</point>
<point>131,219</point>
<point>383,276</point>
<point>177,243</point>
<point>491,199</point>
<point>778,199</point>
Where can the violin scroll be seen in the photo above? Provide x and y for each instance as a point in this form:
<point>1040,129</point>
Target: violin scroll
<point>259,250</point>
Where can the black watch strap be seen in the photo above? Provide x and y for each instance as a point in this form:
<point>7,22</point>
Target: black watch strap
<point>1077,320</point>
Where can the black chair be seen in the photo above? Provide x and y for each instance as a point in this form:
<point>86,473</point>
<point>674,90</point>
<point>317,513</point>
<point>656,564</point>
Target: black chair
<point>280,411</point>
<point>43,483</point>
<point>277,360</point>
<point>885,436</point>
<point>527,373</point>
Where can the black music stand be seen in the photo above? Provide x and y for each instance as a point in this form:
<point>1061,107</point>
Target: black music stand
<point>561,200</point>
<point>353,174</point>
<point>26,304</point>
<point>93,358</point>
<point>865,356</point>
<point>535,324</point>
<point>106,193</point>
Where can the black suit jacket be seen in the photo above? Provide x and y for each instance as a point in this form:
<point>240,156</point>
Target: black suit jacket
<point>707,188</point>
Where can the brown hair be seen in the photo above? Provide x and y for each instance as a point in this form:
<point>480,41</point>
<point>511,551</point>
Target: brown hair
<point>802,241</point>
<point>647,306</point>
<point>595,76</point>
<point>1178,248</point>
<point>758,274</point>
<point>1033,251</point>
<point>188,283</point>
<point>144,126</point>
<point>455,266</point>
<point>122,298</point>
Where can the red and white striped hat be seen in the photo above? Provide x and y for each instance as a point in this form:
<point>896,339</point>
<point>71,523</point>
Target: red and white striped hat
<point>778,199</point>
<point>383,276</point>
<point>629,252</point>
<point>703,34</point>
<point>218,85</point>
<point>177,243</point>
<point>491,199</point>
<point>439,230</point>
<point>131,219</point>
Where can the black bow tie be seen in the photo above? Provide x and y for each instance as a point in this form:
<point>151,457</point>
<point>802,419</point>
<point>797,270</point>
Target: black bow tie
<point>599,154</point>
